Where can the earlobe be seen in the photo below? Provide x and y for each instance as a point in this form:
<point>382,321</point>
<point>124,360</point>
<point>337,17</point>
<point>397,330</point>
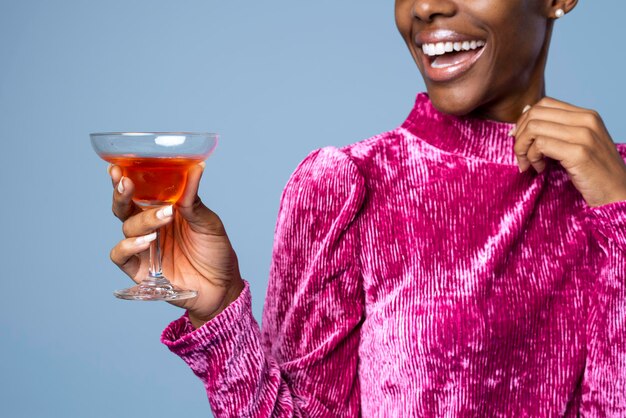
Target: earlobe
<point>561,7</point>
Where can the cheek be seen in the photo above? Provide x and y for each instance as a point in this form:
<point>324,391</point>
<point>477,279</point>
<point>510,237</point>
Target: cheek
<point>404,19</point>
<point>518,32</point>
<point>513,24</point>
<point>520,46</point>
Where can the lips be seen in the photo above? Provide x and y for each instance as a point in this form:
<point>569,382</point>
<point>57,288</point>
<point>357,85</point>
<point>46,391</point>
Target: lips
<point>447,55</point>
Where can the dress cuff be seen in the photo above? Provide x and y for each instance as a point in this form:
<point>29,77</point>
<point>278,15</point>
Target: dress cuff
<point>181,337</point>
<point>607,223</point>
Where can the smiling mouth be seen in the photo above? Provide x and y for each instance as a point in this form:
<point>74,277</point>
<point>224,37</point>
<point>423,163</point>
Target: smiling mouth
<point>447,60</point>
<point>445,54</point>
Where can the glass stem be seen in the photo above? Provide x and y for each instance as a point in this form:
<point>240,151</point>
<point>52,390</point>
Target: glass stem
<point>155,277</point>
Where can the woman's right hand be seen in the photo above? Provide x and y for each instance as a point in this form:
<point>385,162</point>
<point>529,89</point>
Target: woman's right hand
<point>196,251</point>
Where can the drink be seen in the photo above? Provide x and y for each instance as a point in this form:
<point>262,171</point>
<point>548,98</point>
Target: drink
<point>158,180</point>
<point>158,164</point>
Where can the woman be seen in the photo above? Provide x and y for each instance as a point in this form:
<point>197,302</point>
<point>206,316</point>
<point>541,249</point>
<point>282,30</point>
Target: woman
<point>419,272</point>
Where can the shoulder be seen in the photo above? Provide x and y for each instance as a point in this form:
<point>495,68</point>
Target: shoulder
<point>327,164</point>
<point>325,181</point>
<point>339,172</point>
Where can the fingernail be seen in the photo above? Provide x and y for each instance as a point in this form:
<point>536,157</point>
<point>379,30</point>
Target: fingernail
<point>202,164</point>
<point>120,186</point>
<point>512,131</point>
<point>526,109</point>
<point>145,239</point>
<point>165,212</point>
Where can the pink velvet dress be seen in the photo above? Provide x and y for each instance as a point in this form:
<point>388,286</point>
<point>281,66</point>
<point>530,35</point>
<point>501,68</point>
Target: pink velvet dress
<point>418,273</point>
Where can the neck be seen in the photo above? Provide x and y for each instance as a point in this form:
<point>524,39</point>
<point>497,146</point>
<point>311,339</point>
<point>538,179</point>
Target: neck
<point>509,108</point>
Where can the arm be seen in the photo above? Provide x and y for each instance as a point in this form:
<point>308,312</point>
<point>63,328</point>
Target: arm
<point>604,383</point>
<point>304,362</point>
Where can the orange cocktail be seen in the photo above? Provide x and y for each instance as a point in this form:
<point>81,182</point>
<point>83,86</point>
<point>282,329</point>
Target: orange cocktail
<point>158,180</point>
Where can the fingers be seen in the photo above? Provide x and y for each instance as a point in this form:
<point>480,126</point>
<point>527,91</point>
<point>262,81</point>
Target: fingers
<point>200,218</point>
<point>579,115</point>
<point>116,174</point>
<point>123,189</point>
<point>126,254</point>
<point>564,117</point>
<point>559,104</point>
<point>549,108</point>
<point>547,129</point>
<point>147,221</point>
<point>551,120</point>
<point>193,183</point>
<point>567,153</point>
<point>137,222</point>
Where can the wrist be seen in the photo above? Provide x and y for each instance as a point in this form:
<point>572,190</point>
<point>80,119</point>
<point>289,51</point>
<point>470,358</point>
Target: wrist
<point>231,295</point>
<point>613,199</point>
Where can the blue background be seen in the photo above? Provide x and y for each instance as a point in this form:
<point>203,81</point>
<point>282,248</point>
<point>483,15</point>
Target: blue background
<point>276,79</point>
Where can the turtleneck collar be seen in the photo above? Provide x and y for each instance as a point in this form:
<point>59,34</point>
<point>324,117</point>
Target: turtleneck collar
<point>468,136</point>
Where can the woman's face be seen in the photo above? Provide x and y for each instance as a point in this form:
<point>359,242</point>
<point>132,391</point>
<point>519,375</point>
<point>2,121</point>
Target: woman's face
<point>479,56</point>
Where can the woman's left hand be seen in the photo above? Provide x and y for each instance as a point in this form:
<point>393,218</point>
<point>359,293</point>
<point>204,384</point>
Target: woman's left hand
<point>578,139</point>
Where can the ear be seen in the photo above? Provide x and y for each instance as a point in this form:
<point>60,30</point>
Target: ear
<point>565,5</point>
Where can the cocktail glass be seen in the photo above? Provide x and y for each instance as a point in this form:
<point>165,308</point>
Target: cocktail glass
<point>158,164</point>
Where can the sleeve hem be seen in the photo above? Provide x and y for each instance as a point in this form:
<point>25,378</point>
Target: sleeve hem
<point>181,337</point>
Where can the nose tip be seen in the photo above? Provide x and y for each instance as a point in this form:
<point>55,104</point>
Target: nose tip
<point>428,10</point>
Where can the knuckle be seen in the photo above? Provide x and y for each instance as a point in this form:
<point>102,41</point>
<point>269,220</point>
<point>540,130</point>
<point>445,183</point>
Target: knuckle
<point>520,148</point>
<point>545,100</point>
<point>113,255</point>
<point>589,135</point>
<point>533,124</point>
<point>534,157</point>
<point>580,152</point>
<point>593,120</point>
<point>116,213</point>
<point>118,209</point>
<point>127,228</point>
<point>540,142</point>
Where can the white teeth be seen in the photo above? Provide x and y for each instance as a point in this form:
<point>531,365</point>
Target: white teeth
<point>440,48</point>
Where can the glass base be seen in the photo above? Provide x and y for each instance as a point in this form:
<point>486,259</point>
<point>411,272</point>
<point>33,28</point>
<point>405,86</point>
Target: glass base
<point>155,290</point>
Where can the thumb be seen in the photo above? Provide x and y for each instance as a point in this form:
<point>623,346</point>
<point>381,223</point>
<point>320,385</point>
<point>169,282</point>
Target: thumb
<point>200,218</point>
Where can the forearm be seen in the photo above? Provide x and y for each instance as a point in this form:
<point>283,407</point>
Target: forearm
<point>241,379</point>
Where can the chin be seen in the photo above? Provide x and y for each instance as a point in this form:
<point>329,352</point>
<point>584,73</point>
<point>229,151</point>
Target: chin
<point>454,101</point>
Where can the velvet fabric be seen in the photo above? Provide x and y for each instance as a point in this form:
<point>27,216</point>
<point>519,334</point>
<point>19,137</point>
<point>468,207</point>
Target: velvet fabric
<point>419,274</point>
